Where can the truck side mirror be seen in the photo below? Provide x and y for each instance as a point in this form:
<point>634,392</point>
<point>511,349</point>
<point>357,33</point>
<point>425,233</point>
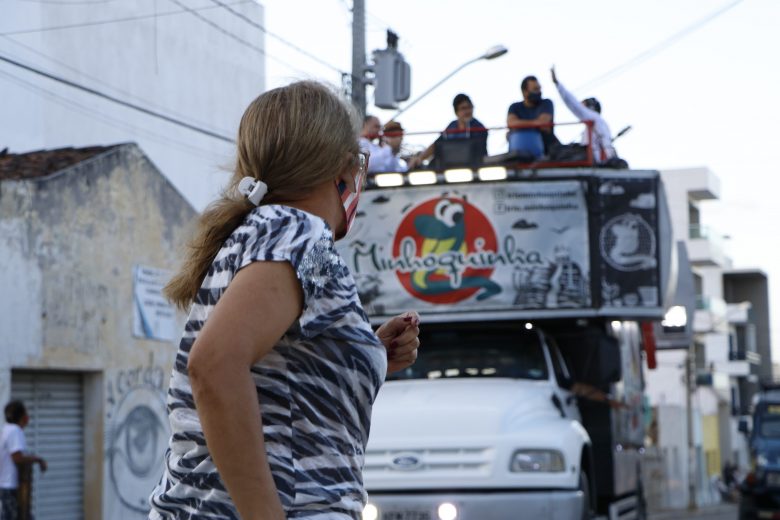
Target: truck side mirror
<point>744,426</point>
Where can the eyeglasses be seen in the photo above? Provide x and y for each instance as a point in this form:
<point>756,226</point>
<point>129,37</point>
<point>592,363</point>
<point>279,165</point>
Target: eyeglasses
<point>362,157</point>
<point>362,160</point>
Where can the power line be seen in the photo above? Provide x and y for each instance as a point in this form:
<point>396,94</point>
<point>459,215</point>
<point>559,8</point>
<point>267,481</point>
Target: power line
<point>655,49</point>
<point>229,34</point>
<point>118,101</point>
<point>98,80</point>
<point>114,20</point>
<point>74,2</point>
<point>277,37</point>
<point>77,107</point>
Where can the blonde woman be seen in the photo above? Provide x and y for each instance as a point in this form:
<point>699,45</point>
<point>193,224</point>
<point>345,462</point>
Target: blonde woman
<point>271,393</point>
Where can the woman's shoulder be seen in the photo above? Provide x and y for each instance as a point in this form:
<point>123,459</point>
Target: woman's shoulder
<point>277,232</point>
<point>292,223</point>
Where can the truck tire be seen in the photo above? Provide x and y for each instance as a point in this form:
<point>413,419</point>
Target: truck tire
<point>587,506</point>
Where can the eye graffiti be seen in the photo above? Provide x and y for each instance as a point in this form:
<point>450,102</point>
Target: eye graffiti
<point>137,434</point>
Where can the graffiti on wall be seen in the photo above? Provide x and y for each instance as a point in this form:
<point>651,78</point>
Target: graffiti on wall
<point>137,433</point>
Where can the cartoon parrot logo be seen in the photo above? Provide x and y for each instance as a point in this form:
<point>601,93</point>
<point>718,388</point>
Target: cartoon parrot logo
<point>448,225</point>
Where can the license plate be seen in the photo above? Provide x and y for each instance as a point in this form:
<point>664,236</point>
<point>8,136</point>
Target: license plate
<point>406,514</point>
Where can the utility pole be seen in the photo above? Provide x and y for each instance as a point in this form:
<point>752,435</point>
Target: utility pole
<point>359,55</point>
<point>690,387</point>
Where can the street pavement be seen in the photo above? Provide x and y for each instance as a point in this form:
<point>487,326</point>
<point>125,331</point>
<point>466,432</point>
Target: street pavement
<point>721,512</point>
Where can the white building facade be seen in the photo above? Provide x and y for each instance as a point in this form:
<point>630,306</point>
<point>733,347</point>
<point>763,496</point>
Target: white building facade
<point>717,374</point>
<point>190,60</point>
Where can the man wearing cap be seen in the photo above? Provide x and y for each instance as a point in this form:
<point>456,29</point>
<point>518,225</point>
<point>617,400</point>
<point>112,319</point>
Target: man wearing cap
<point>385,158</point>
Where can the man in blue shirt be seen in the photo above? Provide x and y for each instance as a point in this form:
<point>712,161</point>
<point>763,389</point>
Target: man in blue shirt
<point>466,126</point>
<point>524,118</point>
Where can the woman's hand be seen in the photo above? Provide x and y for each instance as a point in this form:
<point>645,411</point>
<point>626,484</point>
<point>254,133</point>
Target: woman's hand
<point>399,336</point>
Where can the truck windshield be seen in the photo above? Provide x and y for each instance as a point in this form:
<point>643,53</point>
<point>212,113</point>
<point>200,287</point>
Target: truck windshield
<point>770,427</point>
<point>768,417</point>
<point>514,354</point>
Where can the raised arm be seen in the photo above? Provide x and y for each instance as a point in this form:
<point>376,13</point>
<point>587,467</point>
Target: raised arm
<point>257,308</point>
<point>582,112</point>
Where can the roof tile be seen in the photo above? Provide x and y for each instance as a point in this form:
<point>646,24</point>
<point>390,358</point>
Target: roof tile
<point>40,163</point>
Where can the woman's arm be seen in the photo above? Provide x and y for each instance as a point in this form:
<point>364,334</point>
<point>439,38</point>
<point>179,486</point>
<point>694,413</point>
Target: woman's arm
<point>514,122</point>
<point>259,305</point>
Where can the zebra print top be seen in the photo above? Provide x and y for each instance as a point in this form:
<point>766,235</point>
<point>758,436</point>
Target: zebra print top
<point>315,388</point>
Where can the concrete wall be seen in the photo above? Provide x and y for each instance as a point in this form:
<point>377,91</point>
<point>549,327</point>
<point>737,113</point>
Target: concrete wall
<point>171,63</point>
<point>70,243</point>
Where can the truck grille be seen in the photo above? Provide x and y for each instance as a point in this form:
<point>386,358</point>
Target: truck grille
<point>471,461</point>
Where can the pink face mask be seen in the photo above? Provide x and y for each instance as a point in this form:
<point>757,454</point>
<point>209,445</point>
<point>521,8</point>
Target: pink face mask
<point>350,200</point>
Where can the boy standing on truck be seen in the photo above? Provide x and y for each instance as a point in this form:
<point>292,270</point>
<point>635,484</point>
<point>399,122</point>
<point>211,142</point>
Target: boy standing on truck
<point>589,110</point>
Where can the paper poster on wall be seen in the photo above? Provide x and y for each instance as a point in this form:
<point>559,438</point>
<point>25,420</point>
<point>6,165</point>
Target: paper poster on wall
<point>154,318</point>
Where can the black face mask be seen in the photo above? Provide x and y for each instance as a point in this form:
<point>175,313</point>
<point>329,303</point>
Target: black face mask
<point>534,97</point>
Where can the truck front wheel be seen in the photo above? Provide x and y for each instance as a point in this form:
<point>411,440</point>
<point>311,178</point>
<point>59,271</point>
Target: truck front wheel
<point>587,509</point>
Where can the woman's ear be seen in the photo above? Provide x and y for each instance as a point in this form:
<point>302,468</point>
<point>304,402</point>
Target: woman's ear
<point>347,176</point>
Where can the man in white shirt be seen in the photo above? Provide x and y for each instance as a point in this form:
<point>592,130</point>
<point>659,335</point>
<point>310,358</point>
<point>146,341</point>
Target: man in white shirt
<point>382,146</point>
<point>589,110</point>
<point>12,452</point>
<point>387,158</point>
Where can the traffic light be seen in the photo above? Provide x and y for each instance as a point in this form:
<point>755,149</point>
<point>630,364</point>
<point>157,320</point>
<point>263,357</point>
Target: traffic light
<point>392,75</point>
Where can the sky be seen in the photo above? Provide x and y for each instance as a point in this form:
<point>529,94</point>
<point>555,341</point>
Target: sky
<point>707,98</point>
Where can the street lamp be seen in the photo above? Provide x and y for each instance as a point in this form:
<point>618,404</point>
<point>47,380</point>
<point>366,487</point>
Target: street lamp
<point>491,53</point>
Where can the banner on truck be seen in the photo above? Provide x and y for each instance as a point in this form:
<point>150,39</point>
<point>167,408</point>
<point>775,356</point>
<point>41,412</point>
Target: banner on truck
<point>628,244</point>
<point>504,247</point>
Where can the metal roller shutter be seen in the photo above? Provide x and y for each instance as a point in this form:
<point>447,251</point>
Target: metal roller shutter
<point>54,402</point>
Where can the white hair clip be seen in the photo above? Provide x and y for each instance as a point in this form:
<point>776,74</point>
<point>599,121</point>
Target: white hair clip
<point>253,189</point>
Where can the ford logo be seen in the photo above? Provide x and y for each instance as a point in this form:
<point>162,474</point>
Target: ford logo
<point>406,462</point>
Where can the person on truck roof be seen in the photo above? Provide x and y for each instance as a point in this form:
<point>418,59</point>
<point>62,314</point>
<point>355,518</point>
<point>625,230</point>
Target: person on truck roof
<point>465,126</point>
<point>383,145</point>
<point>386,157</point>
<point>278,368</point>
<point>370,133</point>
<point>589,110</point>
<point>530,121</point>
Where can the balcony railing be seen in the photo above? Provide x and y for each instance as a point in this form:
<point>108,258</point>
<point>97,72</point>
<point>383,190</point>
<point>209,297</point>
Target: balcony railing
<point>753,358</point>
<point>711,304</point>
<point>699,231</point>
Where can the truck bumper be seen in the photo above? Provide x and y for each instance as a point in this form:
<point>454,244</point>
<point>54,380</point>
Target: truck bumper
<point>480,505</point>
